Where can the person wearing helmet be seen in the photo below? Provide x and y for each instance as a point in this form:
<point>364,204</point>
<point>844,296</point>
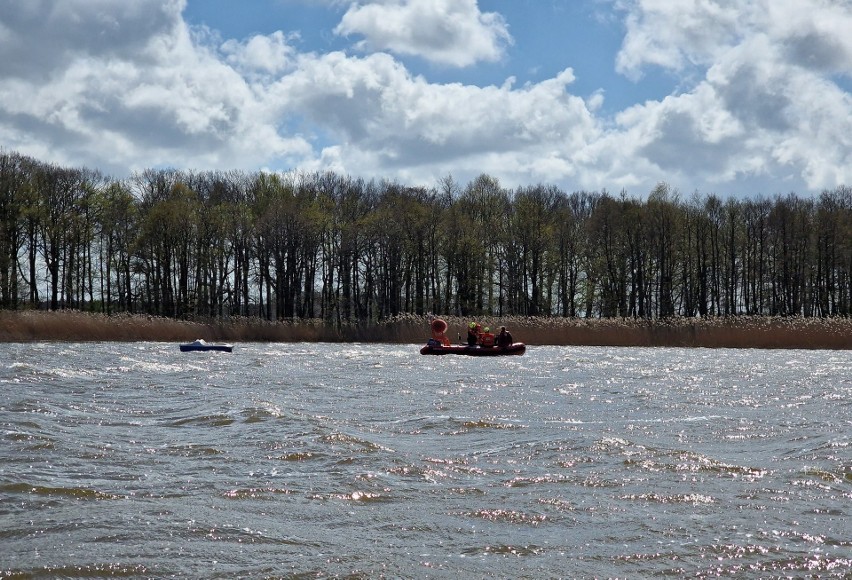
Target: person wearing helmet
<point>486,338</point>
<point>472,334</point>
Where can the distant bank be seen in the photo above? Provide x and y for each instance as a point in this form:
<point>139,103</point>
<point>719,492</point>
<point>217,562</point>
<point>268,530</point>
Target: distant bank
<point>732,332</point>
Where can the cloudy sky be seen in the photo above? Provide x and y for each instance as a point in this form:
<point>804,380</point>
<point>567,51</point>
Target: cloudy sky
<point>733,97</point>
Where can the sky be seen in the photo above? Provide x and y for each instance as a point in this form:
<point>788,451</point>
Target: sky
<point>738,98</point>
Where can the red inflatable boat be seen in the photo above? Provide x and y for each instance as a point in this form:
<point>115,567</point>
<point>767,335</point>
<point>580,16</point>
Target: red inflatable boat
<point>440,344</point>
<point>437,348</point>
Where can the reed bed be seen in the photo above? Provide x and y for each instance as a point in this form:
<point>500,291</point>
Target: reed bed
<point>68,325</point>
<point>721,332</point>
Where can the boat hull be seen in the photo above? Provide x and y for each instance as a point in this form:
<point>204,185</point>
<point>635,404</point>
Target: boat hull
<point>191,347</point>
<point>516,348</point>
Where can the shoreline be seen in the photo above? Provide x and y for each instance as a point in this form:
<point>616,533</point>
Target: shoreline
<point>721,332</point>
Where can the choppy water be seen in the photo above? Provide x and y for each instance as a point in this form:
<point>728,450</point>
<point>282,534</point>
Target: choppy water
<point>305,460</point>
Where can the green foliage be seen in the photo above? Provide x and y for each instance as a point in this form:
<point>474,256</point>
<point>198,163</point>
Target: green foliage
<point>347,251</point>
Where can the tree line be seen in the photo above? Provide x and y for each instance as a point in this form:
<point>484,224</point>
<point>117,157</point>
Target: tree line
<point>327,246</point>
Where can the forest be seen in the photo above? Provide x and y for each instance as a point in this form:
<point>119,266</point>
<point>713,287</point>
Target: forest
<point>329,247</point>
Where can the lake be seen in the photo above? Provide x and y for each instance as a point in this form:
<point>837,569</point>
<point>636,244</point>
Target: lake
<point>370,460</point>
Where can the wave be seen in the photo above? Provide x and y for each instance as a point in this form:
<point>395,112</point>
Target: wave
<point>81,493</point>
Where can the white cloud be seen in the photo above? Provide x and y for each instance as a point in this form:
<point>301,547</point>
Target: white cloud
<point>391,122</point>
<point>44,36</point>
<point>676,35</point>
<point>765,103</point>
<point>122,86</point>
<point>139,100</point>
<point>813,35</point>
<point>449,32</point>
<point>260,54</point>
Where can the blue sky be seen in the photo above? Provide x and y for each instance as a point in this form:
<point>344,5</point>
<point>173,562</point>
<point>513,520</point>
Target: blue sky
<point>546,37</point>
<point>739,98</point>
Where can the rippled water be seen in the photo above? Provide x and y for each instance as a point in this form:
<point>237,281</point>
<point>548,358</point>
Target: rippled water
<point>371,460</point>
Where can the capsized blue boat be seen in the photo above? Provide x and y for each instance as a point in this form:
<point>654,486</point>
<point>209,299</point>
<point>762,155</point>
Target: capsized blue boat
<point>203,345</point>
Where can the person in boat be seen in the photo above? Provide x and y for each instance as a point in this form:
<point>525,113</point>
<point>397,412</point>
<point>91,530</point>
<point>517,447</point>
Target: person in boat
<point>504,339</point>
<point>439,328</point>
<point>486,338</point>
<point>473,334</point>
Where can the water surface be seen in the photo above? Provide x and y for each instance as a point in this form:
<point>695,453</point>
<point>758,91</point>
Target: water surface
<point>367,460</point>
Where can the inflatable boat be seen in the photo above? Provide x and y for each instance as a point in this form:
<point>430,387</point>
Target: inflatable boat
<point>435,347</point>
<point>439,343</point>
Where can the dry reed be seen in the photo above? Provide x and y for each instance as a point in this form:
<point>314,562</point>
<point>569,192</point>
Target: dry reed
<point>730,332</point>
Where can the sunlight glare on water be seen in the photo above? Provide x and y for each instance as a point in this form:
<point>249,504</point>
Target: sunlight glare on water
<point>371,460</point>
